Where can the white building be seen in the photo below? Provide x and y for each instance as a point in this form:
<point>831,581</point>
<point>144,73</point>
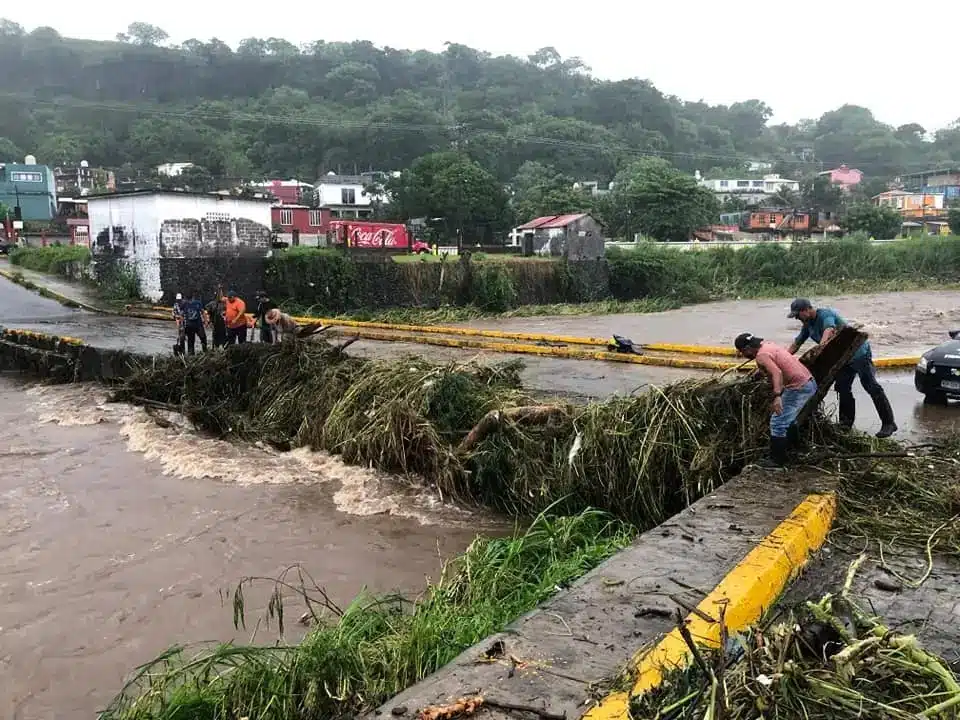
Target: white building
<point>173,169</point>
<point>154,229</point>
<point>346,196</point>
<point>750,189</point>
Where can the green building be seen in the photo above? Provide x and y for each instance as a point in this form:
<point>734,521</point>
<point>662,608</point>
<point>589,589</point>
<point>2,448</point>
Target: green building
<point>29,186</point>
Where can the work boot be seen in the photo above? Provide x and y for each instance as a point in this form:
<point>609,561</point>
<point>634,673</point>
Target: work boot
<point>847,410</point>
<point>793,435</point>
<point>887,425</point>
<point>778,453</point>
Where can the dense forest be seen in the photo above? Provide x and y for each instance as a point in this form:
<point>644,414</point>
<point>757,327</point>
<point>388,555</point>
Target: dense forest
<point>269,108</point>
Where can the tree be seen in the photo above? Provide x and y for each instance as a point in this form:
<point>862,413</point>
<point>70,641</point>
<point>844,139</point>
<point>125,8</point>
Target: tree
<point>9,152</point>
<point>953,217</point>
<point>819,193</point>
<point>455,193</point>
<point>10,29</point>
<point>540,190</point>
<point>195,179</point>
<point>655,198</point>
<point>145,34</point>
<point>882,223</point>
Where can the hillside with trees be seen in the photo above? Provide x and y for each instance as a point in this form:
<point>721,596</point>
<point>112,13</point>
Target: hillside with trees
<point>270,108</point>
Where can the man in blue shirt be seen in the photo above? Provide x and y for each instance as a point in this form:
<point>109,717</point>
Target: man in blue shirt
<point>820,325</point>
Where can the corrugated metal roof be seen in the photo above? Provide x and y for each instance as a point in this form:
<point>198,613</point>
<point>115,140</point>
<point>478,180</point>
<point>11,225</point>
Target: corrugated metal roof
<point>552,221</point>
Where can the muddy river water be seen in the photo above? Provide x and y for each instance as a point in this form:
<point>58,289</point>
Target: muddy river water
<point>117,535</point>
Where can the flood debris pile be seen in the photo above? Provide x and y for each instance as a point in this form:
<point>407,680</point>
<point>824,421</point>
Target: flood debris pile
<point>471,430</point>
<point>825,659</point>
<point>359,656</point>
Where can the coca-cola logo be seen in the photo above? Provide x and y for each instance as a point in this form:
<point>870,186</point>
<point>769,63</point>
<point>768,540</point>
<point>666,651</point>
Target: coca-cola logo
<point>373,238</point>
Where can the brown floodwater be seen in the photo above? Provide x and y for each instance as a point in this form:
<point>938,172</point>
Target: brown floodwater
<point>117,536</point>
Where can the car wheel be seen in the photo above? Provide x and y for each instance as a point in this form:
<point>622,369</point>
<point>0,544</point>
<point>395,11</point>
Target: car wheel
<point>934,398</point>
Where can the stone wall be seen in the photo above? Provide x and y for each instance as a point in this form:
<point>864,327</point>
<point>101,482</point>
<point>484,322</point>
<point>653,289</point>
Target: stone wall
<point>205,275</point>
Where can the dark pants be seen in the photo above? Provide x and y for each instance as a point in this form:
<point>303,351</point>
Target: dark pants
<point>237,335</point>
<point>219,336</point>
<point>193,332</point>
<point>864,369</point>
<point>266,333</point>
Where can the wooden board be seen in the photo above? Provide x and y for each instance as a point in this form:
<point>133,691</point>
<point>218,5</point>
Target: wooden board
<point>826,361</point>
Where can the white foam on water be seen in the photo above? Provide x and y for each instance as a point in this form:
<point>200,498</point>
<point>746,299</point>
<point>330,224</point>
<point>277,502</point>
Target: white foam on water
<point>184,453</point>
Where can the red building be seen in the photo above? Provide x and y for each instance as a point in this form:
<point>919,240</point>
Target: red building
<point>300,224</point>
<point>288,192</point>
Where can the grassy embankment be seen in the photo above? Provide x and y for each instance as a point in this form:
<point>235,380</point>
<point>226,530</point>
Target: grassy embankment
<point>475,434</point>
<point>120,285</point>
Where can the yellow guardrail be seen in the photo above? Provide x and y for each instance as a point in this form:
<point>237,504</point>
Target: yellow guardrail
<point>694,363</point>
<point>430,335</point>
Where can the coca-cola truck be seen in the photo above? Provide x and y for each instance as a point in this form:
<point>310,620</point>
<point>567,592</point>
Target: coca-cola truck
<point>374,235</point>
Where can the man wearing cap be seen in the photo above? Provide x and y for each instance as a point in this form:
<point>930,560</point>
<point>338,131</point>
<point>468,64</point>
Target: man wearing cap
<point>793,386</point>
<point>820,325</point>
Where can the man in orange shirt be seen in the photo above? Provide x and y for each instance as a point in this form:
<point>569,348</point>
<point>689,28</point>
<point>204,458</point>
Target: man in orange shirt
<point>236,319</point>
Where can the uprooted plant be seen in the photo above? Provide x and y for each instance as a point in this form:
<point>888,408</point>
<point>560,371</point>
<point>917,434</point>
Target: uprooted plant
<point>826,659</point>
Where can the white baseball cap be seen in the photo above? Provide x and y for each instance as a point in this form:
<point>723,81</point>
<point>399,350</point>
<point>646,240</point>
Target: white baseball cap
<point>179,296</point>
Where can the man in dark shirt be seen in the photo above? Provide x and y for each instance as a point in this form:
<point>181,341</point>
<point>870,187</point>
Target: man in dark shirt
<point>218,325</point>
<point>193,323</point>
<point>821,324</point>
<point>264,305</point>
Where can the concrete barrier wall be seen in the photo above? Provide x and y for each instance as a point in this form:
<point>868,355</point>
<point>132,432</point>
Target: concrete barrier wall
<point>63,359</point>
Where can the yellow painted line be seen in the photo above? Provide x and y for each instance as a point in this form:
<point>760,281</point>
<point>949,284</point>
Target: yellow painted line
<point>747,592</point>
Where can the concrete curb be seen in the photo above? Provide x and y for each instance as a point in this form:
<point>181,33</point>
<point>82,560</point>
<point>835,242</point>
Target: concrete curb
<point>64,300</point>
<point>584,636</point>
<point>743,596</point>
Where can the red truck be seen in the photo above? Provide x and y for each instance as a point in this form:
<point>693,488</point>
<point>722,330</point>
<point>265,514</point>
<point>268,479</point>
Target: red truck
<point>360,234</point>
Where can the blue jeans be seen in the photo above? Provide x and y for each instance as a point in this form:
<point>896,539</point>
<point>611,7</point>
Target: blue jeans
<point>793,402</point>
<point>862,368</point>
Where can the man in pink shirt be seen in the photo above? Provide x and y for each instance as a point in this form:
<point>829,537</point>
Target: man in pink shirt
<point>793,386</point>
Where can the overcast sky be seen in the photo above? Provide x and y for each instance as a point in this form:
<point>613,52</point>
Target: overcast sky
<point>801,58</point>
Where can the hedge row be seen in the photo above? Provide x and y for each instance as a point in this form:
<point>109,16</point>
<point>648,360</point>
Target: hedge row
<point>331,281</point>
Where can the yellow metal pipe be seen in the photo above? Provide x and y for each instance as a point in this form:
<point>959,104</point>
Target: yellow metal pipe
<point>549,351</point>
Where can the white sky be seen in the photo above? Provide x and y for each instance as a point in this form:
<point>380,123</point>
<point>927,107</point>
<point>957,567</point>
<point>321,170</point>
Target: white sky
<point>802,59</point>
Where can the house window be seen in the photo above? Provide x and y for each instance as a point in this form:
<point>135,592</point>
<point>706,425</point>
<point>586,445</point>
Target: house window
<point>743,183</point>
<point>286,217</point>
<point>26,177</point>
<point>724,183</point>
<point>758,183</point>
<point>348,196</point>
<point>315,218</point>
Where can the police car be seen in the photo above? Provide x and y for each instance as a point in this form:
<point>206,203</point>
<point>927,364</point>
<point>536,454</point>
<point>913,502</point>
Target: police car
<point>937,376</point>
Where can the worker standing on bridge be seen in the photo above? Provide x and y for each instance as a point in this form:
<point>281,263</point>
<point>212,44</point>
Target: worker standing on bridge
<point>218,326</point>
<point>264,305</point>
<point>793,386</point>
<point>178,304</point>
<point>820,325</point>
<point>193,324</point>
<point>235,315</point>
